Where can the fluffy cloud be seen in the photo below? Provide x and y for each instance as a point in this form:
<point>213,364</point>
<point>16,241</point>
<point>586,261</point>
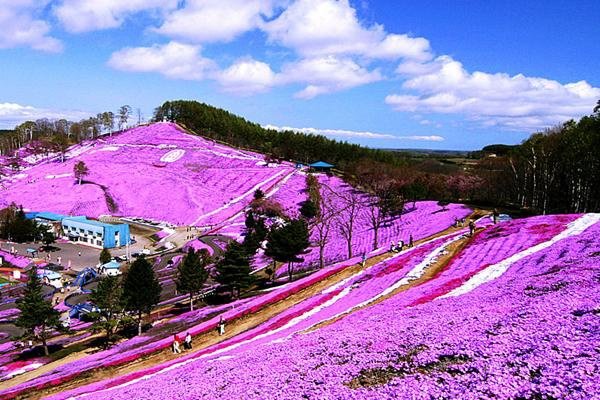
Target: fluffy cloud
<point>201,21</point>
<point>22,27</point>
<point>89,15</point>
<point>326,75</point>
<point>341,133</point>
<point>247,76</point>
<point>331,27</point>
<point>173,60</point>
<point>519,102</point>
<point>12,114</point>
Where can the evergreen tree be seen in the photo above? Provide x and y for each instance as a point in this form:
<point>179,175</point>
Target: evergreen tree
<point>48,238</point>
<point>105,256</point>
<point>141,289</point>
<point>308,210</point>
<point>255,232</point>
<point>108,297</point>
<point>192,274</point>
<point>37,316</point>
<point>287,242</point>
<point>233,269</point>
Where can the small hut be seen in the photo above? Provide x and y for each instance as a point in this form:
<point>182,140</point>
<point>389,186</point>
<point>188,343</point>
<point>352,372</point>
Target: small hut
<point>321,166</point>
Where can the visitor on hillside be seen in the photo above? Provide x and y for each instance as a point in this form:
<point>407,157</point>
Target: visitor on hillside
<point>176,348</point>
<point>221,327</point>
<point>495,216</point>
<point>410,241</point>
<point>392,247</point>
<point>462,222</point>
<point>79,254</point>
<point>364,259</point>
<point>471,227</point>
<point>187,342</point>
<point>455,222</point>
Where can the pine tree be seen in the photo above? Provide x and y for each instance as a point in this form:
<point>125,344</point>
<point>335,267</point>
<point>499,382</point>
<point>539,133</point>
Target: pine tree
<point>105,256</point>
<point>192,274</point>
<point>141,289</point>
<point>233,269</point>
<point>37,316</point>
<point>108,297</point>
<point>287,242</point>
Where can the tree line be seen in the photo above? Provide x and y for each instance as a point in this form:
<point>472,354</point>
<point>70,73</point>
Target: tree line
<point>44,135</point>
<point>555,171</point>
<point>224,126</point>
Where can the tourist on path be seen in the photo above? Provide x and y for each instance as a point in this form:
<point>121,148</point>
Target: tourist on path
<point>176,348</point>
<point>221,327</point>
<point>471,227</point>
<point>364,259</point>
<point>410,241</point>
<point>187,342</point>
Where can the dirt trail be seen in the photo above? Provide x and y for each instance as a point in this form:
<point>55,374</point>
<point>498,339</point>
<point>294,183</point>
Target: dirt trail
<point>234,327</point>
<point>439,264</point>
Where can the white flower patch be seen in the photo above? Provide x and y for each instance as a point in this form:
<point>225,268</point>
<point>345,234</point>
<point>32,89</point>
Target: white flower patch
<point>172,156</point>
<point>496,270</point>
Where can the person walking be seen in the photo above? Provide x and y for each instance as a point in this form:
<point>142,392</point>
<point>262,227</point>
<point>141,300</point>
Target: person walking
<point>471,227</point>
<point>187,342</point>
<point>364,259</point>
<point>221,327</point>
<point>176,348</point>
<point>410,241</point>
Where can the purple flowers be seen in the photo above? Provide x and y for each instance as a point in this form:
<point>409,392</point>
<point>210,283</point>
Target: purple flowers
<point>533,332</point>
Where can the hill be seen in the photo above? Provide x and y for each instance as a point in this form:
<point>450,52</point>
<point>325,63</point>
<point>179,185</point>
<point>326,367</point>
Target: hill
<point>164,173</point>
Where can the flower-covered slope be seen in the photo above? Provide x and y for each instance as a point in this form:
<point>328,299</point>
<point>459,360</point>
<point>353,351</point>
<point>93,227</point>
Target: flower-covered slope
<point>157,172</point>
<point>531,332</point>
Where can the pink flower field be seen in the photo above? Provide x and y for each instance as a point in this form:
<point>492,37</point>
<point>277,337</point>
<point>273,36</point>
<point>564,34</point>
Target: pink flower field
<point>529,330</point>
<point>157,172</point>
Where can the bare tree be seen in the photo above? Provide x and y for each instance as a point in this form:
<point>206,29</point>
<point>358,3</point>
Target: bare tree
<point>348,215</point>
<point>377,216</point>
<point>322,225</point>
<point>80,170</point>
<point>124,114</point>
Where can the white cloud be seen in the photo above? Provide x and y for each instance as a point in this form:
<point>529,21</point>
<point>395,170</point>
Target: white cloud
<point>90,15</point>
<point>342,133</point>
<point>201,21</point>
<point>12,114</point>
<point>247,76</point>
<point>515,102</point>
<point>330,27</point>
<point>326,75</point>
<point>20,26</point>
<point>173,60</point>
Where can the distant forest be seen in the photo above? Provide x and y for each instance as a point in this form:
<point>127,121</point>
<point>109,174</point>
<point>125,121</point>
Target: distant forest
<point>555,171</point>
<point>221,125</point>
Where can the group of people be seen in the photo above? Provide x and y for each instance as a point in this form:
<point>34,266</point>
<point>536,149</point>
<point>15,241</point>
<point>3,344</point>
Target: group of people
<point>400,246</point>
<point>459,223</point>
<point>187,341</point>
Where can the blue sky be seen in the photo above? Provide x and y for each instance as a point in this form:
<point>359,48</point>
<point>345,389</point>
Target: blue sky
<point>408,74</point>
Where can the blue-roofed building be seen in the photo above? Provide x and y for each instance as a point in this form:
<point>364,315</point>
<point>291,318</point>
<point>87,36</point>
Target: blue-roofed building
<point>95,233</point>
<point>50,220</point>
<point>111,268</point>
<point>321,166</point>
